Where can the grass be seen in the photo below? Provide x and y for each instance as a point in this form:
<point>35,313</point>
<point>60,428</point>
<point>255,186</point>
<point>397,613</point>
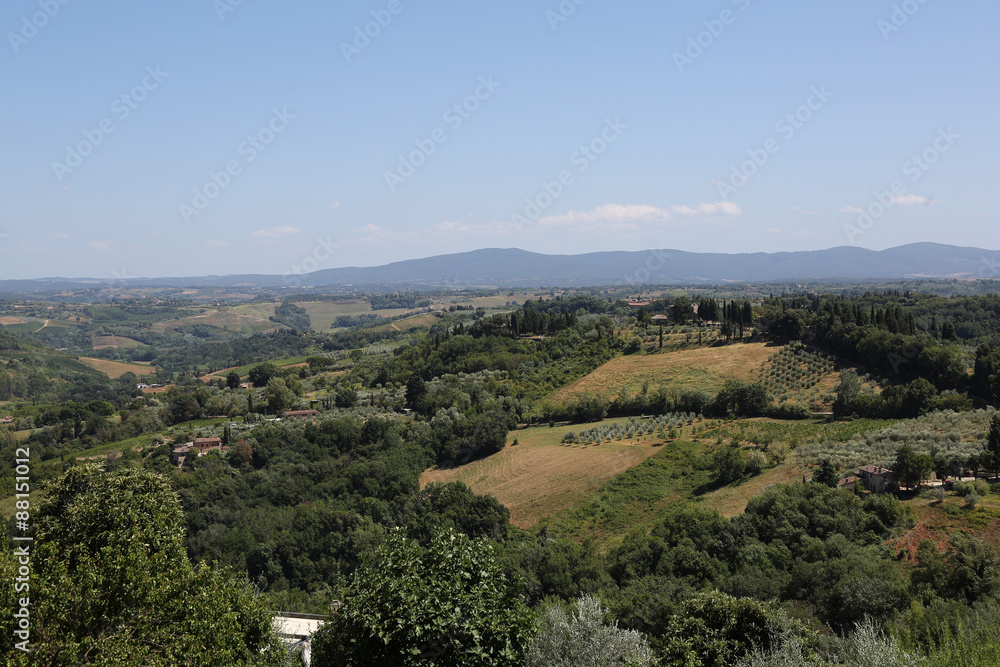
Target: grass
<point>638,496</point>
<point>116,369</point>
<point>244,319</point>
<point>540,475</point>
<point>425,320</point>
<point>705,368</point>
<point>323,313</point>
<point>243,370</point>
<point>101,342</point>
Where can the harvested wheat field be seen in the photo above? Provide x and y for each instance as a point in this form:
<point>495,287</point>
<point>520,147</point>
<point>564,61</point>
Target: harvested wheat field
<point>704,368</point>
<point>116,369</point>
<point>5,320</point>
<point>541,476</point>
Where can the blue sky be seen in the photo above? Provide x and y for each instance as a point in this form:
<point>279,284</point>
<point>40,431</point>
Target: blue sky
<point>215,137</point>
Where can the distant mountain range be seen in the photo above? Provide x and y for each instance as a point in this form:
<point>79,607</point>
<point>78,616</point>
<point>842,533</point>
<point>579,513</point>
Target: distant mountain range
<point>514,267</point>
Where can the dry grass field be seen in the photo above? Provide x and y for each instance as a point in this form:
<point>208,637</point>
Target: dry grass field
<point>116,369</point>
<point>705,368</point>
<point>541,476</point>
<point>730,501</point>
<point>425,320</point>
<point>242,319</point>
<point>5,320</point>
<point>101,342</point>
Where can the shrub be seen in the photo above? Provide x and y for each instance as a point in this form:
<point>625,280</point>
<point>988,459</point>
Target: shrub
<point>581,637</point>
<point>962,489</point>
<point>982,487</point>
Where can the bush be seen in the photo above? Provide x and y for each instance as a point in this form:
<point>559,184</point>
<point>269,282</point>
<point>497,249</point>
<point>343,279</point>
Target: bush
<point>982,487</point>
<point>756,461</point>
<point>962,489</point>
<point>582,638</point>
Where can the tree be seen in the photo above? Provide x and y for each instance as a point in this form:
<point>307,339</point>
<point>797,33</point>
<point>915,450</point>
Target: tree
<point>233,380</point>
<point>826,474</point>
<point>847,393</point>
<point>261,374</point>
<point>993,444</point>
<point>907,466</point>
<point>683,310</point>
<point>450,603</point>
<point>714,629</point>
<point>278,395</point>
<point>111,583</point>
<point>729,464</point>
<point>581,638</point>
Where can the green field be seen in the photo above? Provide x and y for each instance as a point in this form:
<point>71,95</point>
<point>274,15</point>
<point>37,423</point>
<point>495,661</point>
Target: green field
<point>243,370</point>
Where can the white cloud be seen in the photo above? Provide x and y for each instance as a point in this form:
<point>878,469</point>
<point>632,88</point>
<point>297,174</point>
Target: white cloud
<point>803,211</point>
<point>100,245</point>
<point>217,243</point>
<point>335,204</point>
<point>853,210</point>
<point>276,232</point>
<point>913,200</point>
<point>448,226</point>
<point>627,216</point>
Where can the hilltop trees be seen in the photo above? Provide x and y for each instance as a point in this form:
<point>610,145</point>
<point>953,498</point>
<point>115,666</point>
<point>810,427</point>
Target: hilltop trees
<point>111,583</point>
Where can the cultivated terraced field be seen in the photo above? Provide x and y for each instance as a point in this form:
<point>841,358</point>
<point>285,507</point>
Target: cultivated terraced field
<point>541,476</point>
<point>101,342</point>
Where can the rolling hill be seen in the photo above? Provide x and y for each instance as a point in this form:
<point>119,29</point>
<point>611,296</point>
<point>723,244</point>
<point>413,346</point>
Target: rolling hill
<point>512,267</point>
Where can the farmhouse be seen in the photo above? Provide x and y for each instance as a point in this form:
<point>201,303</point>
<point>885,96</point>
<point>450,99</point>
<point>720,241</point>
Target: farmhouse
<point>205,445</point>
<point>847,483</point>
<point>142,385</point>
<point>179,454</point>
<point>877,479</point>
